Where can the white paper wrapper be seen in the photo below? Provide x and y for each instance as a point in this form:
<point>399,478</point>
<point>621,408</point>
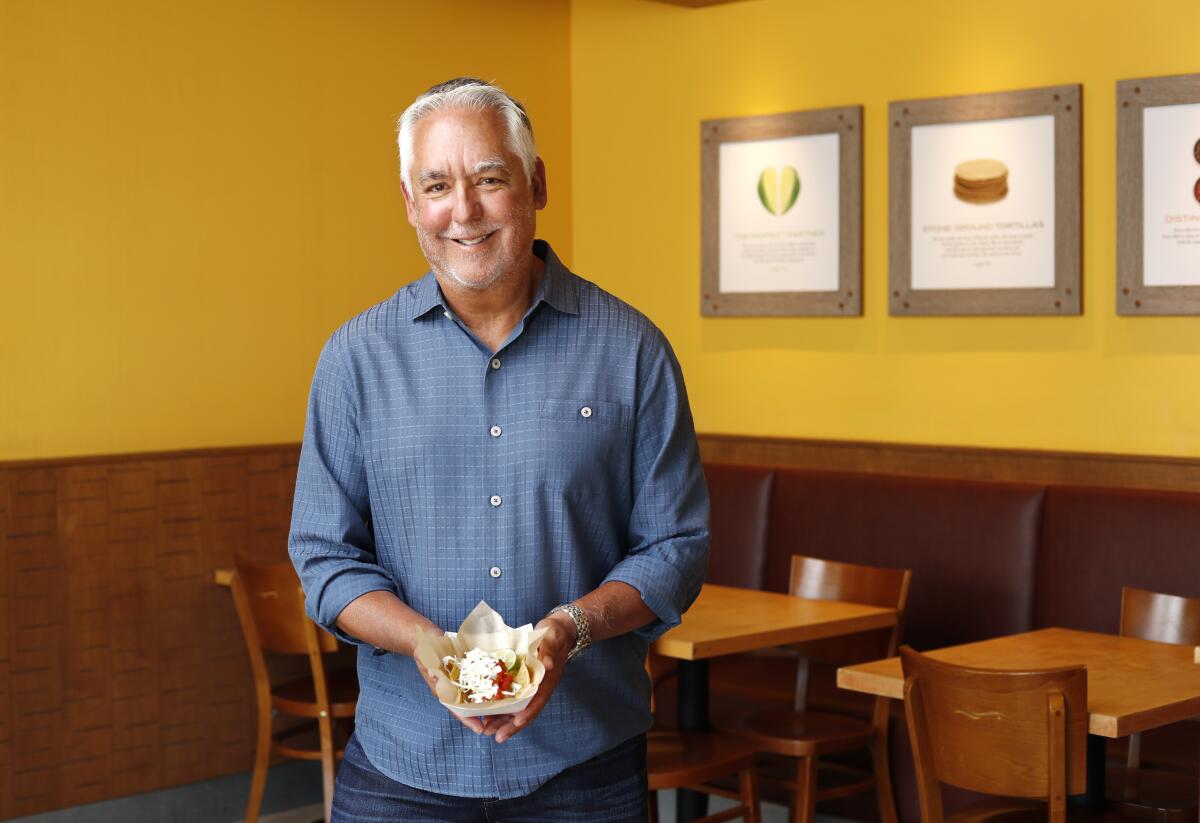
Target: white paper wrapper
<point>485,629</point>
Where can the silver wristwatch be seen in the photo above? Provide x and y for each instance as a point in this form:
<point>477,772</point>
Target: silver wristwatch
<point>583,633</point>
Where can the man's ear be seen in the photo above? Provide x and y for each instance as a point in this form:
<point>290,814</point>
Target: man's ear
<point>409,205</point>
<point>537,184</point>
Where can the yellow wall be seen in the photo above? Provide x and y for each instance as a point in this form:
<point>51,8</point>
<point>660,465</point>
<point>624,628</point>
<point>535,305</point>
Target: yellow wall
<point>194,194</point>
<point>644,75</point>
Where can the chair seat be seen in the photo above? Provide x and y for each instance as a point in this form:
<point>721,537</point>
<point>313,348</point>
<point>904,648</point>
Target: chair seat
<point>800,734</point>
<point>675,759</point>
<point>1154,794</point>
<point>299,698</point>
<point>303,742</point>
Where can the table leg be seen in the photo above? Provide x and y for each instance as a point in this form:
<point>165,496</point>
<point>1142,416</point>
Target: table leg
<point>1096,768</point>
<point>693,716</point>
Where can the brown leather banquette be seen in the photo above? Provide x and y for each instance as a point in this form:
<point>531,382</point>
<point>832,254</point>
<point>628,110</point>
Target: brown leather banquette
<point>987,559</point>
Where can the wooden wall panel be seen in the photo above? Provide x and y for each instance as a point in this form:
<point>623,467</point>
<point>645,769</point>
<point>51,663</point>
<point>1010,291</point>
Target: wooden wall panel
<point>7,801</point>
<point>122,668</point>
<point>965,463</point>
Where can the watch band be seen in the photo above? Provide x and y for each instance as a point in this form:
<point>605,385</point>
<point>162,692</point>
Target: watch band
<point>583,632</point>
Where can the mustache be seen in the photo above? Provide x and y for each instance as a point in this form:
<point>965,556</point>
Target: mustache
<point>467,232</point>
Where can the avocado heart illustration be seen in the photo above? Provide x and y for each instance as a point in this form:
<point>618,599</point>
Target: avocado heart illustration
<point>778,189</point>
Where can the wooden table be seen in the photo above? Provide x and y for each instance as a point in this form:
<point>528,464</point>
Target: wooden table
<point>1133,685</point>
<point>726,620</point>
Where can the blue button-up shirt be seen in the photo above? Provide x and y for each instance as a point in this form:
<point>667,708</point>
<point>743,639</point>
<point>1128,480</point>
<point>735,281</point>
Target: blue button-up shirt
<point>447,474</point>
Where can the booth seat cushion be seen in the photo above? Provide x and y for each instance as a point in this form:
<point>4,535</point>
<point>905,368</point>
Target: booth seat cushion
<point>740,499</point>
<point>1094,541</point>
<point>972,547</point>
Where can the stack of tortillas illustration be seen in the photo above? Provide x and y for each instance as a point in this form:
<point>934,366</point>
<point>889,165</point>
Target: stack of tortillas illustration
<point>980,181</point>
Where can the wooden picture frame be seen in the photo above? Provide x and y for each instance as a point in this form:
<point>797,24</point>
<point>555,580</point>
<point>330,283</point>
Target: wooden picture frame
<point>1155,276</point>
<point>1007,239</point>
<point>760,280</point>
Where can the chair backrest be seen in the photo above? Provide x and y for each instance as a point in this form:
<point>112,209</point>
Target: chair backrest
<point>1166,618</point>
<point>819,579</point>
<point>1014,733</point>
<point>275,601</point>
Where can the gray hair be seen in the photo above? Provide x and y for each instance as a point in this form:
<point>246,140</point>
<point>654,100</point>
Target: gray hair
<point>471,94</point>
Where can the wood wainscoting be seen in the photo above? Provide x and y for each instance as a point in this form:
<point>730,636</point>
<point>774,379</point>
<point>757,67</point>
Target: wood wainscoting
<point>959,462</point>
<point>122,668</point>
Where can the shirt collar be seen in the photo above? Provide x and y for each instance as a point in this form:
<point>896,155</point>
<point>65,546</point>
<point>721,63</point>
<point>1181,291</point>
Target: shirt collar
<point>559,287</point>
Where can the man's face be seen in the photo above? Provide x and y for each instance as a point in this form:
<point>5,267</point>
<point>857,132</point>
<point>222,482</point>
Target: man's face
<point>469,200</point>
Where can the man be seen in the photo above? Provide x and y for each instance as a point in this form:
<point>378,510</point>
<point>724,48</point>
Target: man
<point>498,430</point>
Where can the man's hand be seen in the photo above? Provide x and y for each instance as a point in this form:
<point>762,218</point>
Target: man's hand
<point>380,618</point>
<point>557,642</point>
<point>475,724</point>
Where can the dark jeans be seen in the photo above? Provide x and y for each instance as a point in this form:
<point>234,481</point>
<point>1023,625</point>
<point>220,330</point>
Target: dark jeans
<point>609,788</point>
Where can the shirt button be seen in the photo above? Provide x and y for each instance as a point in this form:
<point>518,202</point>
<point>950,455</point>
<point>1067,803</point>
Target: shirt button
<point>495,501</point>
<point>586,411</point>
<point>495,431</point>
<point>495,362</point>
<point>494,571</point>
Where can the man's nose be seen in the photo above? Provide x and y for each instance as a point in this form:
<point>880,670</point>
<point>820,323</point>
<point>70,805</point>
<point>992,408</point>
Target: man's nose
<point>466,204</point>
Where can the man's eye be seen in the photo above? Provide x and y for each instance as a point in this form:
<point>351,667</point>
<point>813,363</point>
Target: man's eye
<point>490,181</point>
<point>435,188</point>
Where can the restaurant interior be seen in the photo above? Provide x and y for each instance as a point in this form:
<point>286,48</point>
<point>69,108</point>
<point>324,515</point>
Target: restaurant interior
<point>194,195</point>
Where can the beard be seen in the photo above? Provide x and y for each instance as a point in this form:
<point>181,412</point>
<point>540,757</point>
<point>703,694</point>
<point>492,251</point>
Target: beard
<point>504,261</point>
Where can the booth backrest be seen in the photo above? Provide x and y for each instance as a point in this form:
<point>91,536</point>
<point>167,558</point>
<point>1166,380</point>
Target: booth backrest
<point>740,499</point>
<point>1094,541</point>
<point>971,546</point>
<point>988,559</point>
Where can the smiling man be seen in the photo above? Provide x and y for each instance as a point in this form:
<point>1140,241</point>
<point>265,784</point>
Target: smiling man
<point>498,430</point>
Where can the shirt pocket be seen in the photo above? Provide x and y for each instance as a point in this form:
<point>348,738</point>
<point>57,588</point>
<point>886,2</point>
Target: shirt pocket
<point>586,413</point>
<point>584,445</point>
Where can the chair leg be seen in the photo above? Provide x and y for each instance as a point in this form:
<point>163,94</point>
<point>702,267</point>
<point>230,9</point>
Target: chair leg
<point>883,781</point>
<point>325,728</point>
<point>804,799</point>
<point>652,811</point>
<point>749,791</point>
<point>262,759</point>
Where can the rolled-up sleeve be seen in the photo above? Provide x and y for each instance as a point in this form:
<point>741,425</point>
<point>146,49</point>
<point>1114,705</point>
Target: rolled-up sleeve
<point>330,541</point>
<point>668,556</point>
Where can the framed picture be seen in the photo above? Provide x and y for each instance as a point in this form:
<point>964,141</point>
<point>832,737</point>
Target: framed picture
<point>984,204</point>
<point>781,214</point>
<point>1158,195</point>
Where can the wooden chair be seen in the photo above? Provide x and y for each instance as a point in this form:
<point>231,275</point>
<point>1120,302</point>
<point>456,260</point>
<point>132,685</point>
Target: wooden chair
<point>1156,794</point>
<point>270,608</point>
<point>676,759</point>
<point>1022,734</point>
<point>807,735</point>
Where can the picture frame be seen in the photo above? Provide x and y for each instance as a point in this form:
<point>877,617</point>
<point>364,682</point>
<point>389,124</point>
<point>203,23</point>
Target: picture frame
<point>984,204</point>
<point>781,214</point>
<point>1158,196</point>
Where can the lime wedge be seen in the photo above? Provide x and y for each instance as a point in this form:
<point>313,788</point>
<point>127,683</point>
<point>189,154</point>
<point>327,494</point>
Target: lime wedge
<point>508,657</point>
